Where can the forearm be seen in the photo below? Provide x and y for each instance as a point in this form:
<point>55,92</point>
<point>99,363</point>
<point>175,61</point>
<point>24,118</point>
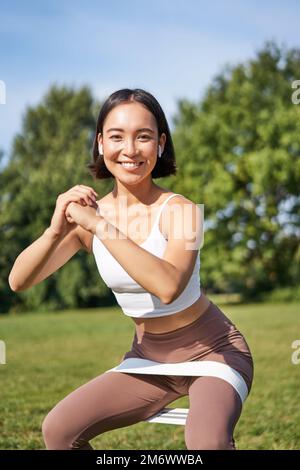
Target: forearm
<point>30,261</point>
<point>154,274</point>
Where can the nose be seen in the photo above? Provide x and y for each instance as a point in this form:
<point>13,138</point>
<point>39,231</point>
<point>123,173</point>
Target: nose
<point>129,148</point>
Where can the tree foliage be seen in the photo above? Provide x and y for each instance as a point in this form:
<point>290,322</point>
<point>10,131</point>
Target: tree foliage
<point>49,156</point>
<point>238,153</point>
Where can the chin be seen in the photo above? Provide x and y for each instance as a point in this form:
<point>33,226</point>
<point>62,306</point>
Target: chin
<point>132,180</point>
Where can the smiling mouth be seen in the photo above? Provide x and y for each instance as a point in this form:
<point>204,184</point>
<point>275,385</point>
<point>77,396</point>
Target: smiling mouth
<point>130,165</point>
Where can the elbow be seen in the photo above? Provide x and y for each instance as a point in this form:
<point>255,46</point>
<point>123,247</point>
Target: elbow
<point>15,287</point>
<point>169,297</point>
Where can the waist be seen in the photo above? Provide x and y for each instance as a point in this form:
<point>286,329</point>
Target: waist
<point>174,321</point>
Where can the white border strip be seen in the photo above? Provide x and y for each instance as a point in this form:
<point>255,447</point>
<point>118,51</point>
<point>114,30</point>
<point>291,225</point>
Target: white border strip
<point>191,368</point>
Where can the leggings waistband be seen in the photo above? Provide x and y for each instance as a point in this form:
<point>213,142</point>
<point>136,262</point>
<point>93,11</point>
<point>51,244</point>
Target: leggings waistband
<point>183,329</point>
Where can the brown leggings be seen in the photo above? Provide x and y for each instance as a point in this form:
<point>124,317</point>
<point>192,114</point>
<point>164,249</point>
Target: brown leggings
<point>116,399</point>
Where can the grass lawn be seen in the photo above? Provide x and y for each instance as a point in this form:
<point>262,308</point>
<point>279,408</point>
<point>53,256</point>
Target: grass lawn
<point>48,355</point>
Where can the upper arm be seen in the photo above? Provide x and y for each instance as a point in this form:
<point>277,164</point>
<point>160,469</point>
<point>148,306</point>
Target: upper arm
<point>64,251</point>
<point>184,222</point>
<point>85,238</point>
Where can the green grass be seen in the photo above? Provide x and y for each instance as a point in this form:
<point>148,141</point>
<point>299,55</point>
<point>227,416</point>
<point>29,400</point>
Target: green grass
<point>49,355</point>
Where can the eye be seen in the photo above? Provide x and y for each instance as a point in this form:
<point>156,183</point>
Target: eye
<point>145,136</point>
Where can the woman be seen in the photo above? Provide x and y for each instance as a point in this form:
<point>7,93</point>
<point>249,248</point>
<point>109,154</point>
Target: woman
<point>183,343</point>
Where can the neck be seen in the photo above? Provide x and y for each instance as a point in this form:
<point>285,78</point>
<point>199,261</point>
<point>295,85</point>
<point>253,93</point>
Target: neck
<point>142,193</point>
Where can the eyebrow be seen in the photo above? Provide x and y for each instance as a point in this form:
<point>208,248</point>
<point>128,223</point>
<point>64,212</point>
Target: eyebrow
<point>138,130</point>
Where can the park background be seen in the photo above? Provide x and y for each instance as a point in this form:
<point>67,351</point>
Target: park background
<point>224,75</point>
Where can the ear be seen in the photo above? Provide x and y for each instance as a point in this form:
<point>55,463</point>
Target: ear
<point>99,138</point>
<point>162,141</point>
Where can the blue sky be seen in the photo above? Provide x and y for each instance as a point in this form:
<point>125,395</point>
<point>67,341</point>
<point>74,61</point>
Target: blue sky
<point>171,48</point>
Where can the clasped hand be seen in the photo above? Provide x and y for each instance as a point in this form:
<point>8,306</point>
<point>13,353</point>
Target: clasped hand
<point>85,216</point>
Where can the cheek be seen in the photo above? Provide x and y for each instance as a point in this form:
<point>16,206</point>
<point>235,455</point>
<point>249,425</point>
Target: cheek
<point>149,147</point>
<point>113,147</point>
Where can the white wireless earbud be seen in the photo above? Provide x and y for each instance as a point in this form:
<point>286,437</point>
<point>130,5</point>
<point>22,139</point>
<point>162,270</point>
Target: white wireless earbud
<point>100,149</point>
<point>159,151</point>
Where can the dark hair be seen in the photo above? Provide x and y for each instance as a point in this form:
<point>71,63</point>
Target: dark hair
<point>166,165</point>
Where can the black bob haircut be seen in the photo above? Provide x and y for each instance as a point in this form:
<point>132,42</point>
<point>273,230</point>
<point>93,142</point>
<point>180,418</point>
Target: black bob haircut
<point>166,165</point>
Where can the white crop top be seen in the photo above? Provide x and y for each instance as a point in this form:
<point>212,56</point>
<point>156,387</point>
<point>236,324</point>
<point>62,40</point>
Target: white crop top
<point>134,300</point>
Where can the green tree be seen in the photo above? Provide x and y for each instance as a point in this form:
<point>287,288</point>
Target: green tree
<point>49,156</point>
<point>238,153</point>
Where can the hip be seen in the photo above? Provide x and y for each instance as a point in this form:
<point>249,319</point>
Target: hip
<point>211,337</point>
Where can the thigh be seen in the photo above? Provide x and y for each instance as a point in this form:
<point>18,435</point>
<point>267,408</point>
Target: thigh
<point>215,408</point>
<point>109,401</point>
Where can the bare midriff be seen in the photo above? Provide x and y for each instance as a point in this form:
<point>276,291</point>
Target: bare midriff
<point>173,321</point>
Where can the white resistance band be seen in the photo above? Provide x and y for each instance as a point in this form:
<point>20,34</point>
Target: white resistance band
<point>192,368</point>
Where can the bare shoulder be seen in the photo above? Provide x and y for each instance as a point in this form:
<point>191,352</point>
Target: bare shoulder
<point>179,201</point>
<point>85,237</point>
<point>180,212</point>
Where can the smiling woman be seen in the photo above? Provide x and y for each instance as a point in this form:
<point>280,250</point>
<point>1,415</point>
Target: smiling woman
<point>183,343</point>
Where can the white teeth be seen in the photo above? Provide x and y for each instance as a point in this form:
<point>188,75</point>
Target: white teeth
<point>131,164</point>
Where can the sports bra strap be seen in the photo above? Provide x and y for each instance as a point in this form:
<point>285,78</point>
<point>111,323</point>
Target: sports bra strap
<point>162,208</point>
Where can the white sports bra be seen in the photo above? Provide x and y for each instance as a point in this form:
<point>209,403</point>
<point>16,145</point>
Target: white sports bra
<point>134,300</point>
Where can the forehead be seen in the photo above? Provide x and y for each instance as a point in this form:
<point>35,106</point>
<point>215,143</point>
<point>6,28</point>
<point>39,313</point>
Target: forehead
<point>130,116</point>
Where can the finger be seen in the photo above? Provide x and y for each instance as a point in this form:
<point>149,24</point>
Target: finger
<point>89,189</point>
<point>69,219</point>
<point>83,196</point>
<point>83,203</point>
<point>95,205</point>
<point>71,198</point>
<point>88,193</point>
